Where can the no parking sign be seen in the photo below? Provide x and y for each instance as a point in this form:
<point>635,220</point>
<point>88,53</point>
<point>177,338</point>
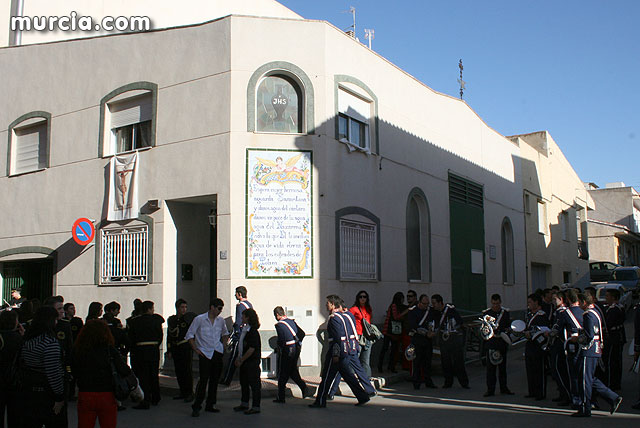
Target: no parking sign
<point>83,231</point>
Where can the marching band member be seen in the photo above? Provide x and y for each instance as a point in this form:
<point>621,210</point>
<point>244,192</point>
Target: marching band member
<point>421,323</point>
<point>497,346</point>
<point>616,338</point>
<point>451,338</point>
<point>337,357</point>
<point>534,351</point>
<point>590,341</point>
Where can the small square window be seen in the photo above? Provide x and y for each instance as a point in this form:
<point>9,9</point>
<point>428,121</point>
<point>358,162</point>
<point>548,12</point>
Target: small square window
<point>353,119</point>
<point>29,148</point>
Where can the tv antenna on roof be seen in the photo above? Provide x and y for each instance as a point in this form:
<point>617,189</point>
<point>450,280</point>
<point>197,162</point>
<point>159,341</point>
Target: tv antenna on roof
<point>369,35</point>
<point>460,81</point>
<point>351,30</point>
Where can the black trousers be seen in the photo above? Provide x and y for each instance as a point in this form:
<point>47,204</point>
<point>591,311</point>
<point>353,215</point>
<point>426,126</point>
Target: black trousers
<point>210,370</point>
<point>37,411</point>
<point>250,384</point>
<point>288,369</point>
<point>612,357</point>
<point>536,375</point>
<point>9,401</point>
<point>421,364</point>
<point>394,342</point>
<point>500,368</point>
<point>560,372</point>
<point>230,368</point>
<point>146,369</point>
<point>182,362</point>
<point>452,355</point>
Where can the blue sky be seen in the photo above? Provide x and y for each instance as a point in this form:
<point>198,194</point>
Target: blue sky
<point>567,66</point>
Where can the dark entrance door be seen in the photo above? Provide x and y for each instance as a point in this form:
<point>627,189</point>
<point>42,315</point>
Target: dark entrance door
<point>34,277</point>
<point>466,220</point>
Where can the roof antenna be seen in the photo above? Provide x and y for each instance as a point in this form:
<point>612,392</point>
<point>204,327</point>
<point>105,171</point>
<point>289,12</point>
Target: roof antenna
<point>369,35</point>
<point>351,30</point>
<point>460,81</point>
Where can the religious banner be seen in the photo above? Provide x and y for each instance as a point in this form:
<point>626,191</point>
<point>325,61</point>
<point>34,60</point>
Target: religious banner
<point>279,214</point>
<point>123,187</point>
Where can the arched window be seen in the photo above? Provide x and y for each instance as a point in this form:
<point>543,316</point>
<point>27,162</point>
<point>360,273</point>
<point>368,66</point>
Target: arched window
<point>506,239</point>
<point>418,237</point>
<point>280,100</point>
<point>128,119</point>
<point>278,105</point>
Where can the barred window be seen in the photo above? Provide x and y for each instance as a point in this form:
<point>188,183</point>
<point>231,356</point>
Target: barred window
<point>358,250</point>
<point>124,255</point>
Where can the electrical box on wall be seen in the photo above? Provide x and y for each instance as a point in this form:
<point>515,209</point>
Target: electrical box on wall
<point>187,272</point>
<point>307,319</point>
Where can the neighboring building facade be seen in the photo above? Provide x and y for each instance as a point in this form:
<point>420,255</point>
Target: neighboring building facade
<point>614,227</point>
<point>297,169</point>
<point>556,206</point>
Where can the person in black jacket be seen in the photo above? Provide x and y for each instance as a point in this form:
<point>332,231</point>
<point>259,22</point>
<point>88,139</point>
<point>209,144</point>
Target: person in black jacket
<point>249,363</point>
<point>145,337</point>
<point>94,354</point>
<point>10,343</point>
<point>179,349</point>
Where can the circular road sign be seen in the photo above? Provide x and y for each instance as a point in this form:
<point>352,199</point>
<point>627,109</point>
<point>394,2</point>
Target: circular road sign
<point>83,231</point>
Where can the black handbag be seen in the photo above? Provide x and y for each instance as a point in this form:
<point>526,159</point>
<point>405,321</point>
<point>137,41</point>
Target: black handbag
<point>123,385</point>
<point>370,331</point>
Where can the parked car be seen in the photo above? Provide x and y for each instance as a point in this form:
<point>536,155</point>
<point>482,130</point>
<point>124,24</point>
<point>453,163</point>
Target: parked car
<point>601,271</point>
<point>626,295</point>
<point>629,276</point>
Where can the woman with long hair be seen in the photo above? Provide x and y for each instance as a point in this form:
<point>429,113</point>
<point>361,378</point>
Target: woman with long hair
<point>393,321</point>
<point>42,374</point>
<point>93,354</point>
<point>361,310</point>
<point>95,311</point>
<point>249,363</point>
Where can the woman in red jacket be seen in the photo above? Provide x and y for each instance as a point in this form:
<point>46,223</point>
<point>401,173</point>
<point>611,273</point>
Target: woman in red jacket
<point>361,309</point>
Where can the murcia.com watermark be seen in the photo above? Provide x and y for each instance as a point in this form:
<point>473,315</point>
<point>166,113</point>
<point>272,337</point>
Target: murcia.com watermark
<point>73,22</point>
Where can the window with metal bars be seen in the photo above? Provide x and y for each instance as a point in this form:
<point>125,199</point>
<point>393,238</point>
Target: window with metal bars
<point>124,255</point>
<point>358,250</point>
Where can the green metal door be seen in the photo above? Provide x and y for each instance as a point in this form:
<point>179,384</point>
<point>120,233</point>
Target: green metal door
<point>34,277</point>
<point>466,221</point>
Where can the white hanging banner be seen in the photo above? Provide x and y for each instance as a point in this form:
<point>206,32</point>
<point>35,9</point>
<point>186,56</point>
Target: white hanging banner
<point>123,187</point>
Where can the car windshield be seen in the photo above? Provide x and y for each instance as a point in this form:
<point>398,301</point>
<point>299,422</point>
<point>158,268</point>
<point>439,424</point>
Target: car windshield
<point>625,275</point>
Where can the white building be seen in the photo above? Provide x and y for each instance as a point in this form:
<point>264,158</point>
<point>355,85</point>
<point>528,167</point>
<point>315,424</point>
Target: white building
<point>383,184</point>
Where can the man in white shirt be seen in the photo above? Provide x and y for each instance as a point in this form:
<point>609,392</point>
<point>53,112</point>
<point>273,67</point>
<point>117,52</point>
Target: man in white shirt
<point>208,335</point>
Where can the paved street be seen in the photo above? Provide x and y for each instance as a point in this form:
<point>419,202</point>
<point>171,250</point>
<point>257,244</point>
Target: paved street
<point>401,406</point>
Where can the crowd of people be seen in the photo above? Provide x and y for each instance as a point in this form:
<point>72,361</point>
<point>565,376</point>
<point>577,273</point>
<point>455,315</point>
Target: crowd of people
<point>48,352</point>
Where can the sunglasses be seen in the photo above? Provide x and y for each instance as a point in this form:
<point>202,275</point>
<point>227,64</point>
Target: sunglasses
<point>219,307</point>
<point>362,296</point>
